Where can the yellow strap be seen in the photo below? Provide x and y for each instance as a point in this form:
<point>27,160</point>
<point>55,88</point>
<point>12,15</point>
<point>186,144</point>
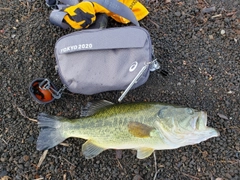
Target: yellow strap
<point>138,9</point>
<point>82,15</point>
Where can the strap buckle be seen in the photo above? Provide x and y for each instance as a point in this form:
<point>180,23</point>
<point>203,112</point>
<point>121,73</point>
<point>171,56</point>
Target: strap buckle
<point>154,65</point>
<point>46,85</point>
<point>53,4</point>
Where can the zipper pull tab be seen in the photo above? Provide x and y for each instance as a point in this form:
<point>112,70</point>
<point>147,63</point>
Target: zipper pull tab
<point>154,65</point>
<point>135,80</point>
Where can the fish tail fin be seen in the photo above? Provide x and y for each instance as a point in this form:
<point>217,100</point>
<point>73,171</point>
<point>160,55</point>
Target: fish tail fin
<point>51,131</point>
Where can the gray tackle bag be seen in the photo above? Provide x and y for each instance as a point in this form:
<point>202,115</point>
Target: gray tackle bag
<point>97,60</point>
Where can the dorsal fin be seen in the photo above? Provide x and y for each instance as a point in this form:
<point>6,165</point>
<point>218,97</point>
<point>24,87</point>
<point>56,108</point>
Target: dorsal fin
<point>94,107</point>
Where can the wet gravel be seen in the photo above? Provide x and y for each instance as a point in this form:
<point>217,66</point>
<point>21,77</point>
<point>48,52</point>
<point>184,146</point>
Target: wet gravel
<point>199,47</point>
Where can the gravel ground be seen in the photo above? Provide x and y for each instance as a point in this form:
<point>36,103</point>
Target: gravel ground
<point>201,52</point>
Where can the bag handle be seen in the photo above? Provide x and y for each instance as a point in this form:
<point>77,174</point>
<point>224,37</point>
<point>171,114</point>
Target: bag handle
<point>57,15</point>
<point>118,8</point>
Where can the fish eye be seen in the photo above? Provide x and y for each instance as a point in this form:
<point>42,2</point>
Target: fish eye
<point>190,111</point>
<point>161,112</point>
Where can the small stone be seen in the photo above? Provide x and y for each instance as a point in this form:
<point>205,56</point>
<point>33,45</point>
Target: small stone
<point>30,139</point>
<point>168,164</point>
<point>210,37</point>
<point>136,171</point>
<point>177,13</point>
<point>209,9</point>
<point>184,158</point>
<point>193,81</point>
<point>3,159</point>
<point>228,176</point>
<point>226,20</point>
<point>137,177</point>
<point>223,32</point>
<point>20,166</point>
<point>25,158</point>
<point>3,173</point>
<point>194,37</point>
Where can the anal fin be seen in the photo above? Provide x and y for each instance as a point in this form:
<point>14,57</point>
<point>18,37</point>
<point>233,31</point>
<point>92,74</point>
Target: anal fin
<point>144,152</point>
<point>90,150</point>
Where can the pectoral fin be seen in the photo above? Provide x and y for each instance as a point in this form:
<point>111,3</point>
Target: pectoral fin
<point>139,130</point>
<point>90,150</point>
<point>144,152</point>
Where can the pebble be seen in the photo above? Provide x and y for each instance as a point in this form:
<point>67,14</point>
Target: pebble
<point>210,37</point>
<point>193,81</point>
<point>194,37</point>
<point>137,177</point>
<point>3,159</point>
<point>168,164</point>
<point>228,176</point>
<point>3,173</point>
<point>178,14</point>
<point>226,20</point>
<point>30,139</point>
<point>136,171</point>
<point>223,32</point>
<point>25,158</point>
<point>184,158</point>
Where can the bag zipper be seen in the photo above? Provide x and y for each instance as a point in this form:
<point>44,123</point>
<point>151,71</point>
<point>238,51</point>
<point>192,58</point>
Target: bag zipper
<point>154,65</point>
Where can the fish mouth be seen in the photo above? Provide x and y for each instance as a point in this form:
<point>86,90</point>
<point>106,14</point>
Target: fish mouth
<point>200,122</point>
<point>201,125</point>
<point>203,117</point>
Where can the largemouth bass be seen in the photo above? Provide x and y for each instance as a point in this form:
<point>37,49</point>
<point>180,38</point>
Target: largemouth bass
<point>144,127</point>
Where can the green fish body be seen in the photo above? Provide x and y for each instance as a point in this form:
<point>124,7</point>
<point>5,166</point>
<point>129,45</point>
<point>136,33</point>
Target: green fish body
<point>142,126</point>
